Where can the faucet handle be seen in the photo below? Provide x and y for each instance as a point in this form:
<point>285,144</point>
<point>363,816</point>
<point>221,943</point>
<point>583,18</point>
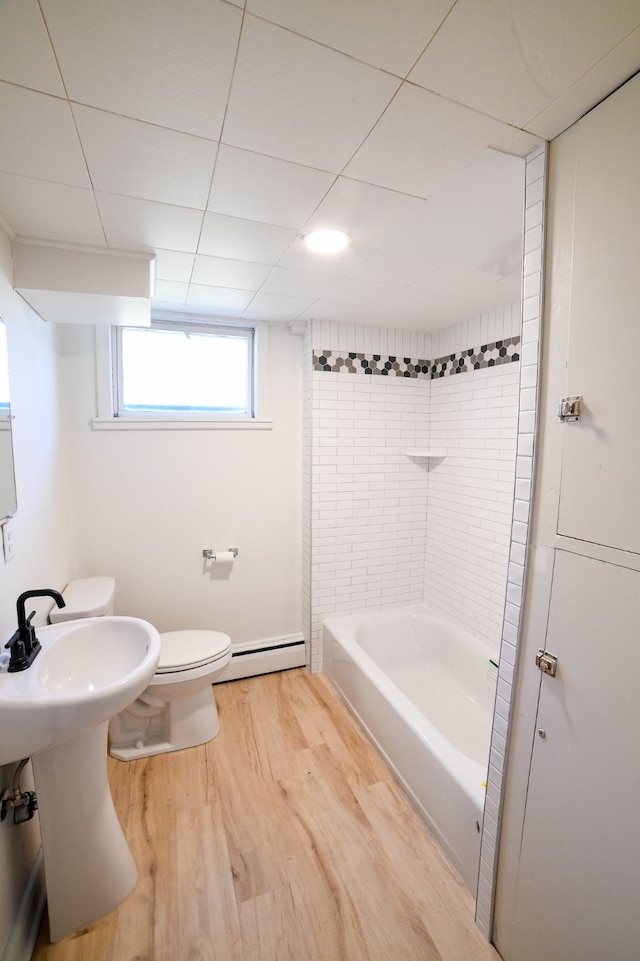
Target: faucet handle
<point>19,660</point>
<point>24,646</point>
<point>13,639</point>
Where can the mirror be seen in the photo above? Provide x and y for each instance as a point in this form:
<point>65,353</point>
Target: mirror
<point>8,499</point>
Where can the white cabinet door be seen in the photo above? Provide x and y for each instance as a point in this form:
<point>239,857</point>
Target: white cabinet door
<point>599,500</point>
<point>573,833</point>
<point>578,888</point>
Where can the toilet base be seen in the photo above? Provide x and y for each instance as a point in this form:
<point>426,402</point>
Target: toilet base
<point>158,726</point>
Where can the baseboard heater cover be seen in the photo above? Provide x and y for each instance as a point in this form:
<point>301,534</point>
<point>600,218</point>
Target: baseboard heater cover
<point>264,657</point>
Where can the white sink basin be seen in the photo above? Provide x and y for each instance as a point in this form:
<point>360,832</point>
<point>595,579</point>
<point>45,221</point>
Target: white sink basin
<point>87,671</point>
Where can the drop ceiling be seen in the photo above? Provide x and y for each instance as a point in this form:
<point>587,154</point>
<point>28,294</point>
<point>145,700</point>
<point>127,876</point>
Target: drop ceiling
<point>216,134</point>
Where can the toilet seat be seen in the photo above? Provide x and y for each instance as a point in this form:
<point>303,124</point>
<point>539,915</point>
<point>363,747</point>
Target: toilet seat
<point>187,650</point>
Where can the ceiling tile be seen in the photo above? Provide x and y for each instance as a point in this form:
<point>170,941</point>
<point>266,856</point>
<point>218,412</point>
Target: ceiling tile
<point>365,212</point>
<point>432,313</point>
<point>39,138</point>
<point>594,86</point>
<point>521,144</point>
<point>474,220</point>
<point>138,159</point>
<point>35,208</point>
<point>452,278</point>
<point>236,239</point>
<point>350,290</point>
<point>26,57</point>
<point>173,265</point>
<point>297,283</point>
<point>421,141</point>
<point>219,298</point>
<point>388,35</point>
<point>562,41</point>
<point>277,307</point>
<point>218,272</point>
<point>318,132</point>
<point>518,55</point>
<point>400,263</point>
<point>497,79</point>
<point>298,257</point>
<point>132,223</point>
<point>294,99</point>
<point>170,292</point>
<point>256,187</point>
<point>149,60</point>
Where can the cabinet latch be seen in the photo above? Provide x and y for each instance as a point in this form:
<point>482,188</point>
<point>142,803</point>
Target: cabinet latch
<point>548,663</point>
<point>570,408</point>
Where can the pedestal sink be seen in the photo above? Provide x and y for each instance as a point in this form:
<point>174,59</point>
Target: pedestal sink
<point>57,712</point>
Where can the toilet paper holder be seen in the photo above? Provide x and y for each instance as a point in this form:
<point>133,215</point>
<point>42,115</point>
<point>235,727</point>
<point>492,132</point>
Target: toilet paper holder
<point>210,555</point>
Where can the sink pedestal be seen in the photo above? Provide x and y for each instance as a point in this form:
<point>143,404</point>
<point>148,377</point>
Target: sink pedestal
<point>89,868</point>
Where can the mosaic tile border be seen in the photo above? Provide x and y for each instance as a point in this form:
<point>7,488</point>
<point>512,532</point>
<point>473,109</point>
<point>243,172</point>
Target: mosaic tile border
<point>473,358</point>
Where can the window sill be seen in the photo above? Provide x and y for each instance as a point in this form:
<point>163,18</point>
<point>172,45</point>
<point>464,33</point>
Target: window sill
<point>178,423</point>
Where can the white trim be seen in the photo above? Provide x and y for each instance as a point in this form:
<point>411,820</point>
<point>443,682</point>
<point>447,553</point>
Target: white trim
<point>104,390</point>
<point>24,932</point>
<point>172,423</point>
<point>536,173</point>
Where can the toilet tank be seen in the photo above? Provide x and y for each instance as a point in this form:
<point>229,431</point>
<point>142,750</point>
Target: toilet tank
<point>86,597</point>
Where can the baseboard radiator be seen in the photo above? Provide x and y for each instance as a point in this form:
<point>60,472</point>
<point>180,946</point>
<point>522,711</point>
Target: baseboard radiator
<point>264,656</point>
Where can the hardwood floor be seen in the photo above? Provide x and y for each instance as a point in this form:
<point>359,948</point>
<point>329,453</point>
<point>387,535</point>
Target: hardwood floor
<point>283,839</point>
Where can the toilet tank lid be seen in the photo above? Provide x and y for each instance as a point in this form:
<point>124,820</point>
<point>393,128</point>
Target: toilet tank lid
<point>85,597</point>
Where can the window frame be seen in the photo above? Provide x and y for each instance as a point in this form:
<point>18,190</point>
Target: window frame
<point>108,352</point>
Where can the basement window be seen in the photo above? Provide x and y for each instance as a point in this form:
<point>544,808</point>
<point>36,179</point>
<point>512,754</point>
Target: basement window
<point>184,370</point>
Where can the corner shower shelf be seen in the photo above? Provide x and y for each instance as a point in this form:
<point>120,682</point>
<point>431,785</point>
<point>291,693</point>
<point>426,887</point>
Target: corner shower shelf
<point>426,452</point>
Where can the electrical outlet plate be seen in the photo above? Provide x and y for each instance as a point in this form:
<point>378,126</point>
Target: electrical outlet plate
<point>7,541</point>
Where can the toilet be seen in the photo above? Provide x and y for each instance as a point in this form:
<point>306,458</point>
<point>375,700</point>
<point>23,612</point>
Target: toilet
<point>177,710</point>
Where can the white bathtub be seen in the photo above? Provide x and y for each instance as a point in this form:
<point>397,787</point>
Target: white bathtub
<point>424,690</point>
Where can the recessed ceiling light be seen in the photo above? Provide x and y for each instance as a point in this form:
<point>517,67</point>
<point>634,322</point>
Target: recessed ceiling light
<point>327,241</point>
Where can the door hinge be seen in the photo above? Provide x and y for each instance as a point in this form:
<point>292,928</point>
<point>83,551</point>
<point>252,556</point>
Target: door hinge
<point>548,663</point>
<point>570,408</point>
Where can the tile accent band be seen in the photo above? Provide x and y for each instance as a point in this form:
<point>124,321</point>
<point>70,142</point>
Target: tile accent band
<point>473,358</point>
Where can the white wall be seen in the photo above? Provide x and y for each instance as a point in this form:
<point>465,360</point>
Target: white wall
<point>148,501</point>
<point>42,527</point>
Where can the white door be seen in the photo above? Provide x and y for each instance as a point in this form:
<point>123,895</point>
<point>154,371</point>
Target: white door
<point>578,895</point>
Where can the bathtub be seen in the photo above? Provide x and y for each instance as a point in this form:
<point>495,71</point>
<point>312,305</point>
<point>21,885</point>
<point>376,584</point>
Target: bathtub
<point>423,689</point>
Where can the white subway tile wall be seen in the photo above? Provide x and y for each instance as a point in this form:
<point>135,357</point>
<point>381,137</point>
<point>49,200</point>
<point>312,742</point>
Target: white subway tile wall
<point>533,287</point>
<point>388,529</point>
<point>367,498</point>
<point>474,417</point>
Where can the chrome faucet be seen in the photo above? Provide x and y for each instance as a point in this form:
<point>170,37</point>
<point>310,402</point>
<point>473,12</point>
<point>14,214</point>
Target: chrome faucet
<point>24,644</point>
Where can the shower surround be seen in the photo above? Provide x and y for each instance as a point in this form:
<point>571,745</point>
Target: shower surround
<point>386,528</point>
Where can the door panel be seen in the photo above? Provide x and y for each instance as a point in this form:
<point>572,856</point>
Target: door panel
<point>578,891</point>
<point>601,453</point>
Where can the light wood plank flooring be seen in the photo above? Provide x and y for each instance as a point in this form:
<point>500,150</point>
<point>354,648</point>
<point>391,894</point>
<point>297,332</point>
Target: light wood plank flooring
<point>283,839</point>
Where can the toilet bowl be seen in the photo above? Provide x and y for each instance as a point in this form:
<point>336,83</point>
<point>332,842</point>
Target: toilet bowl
<point>177,710</point>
